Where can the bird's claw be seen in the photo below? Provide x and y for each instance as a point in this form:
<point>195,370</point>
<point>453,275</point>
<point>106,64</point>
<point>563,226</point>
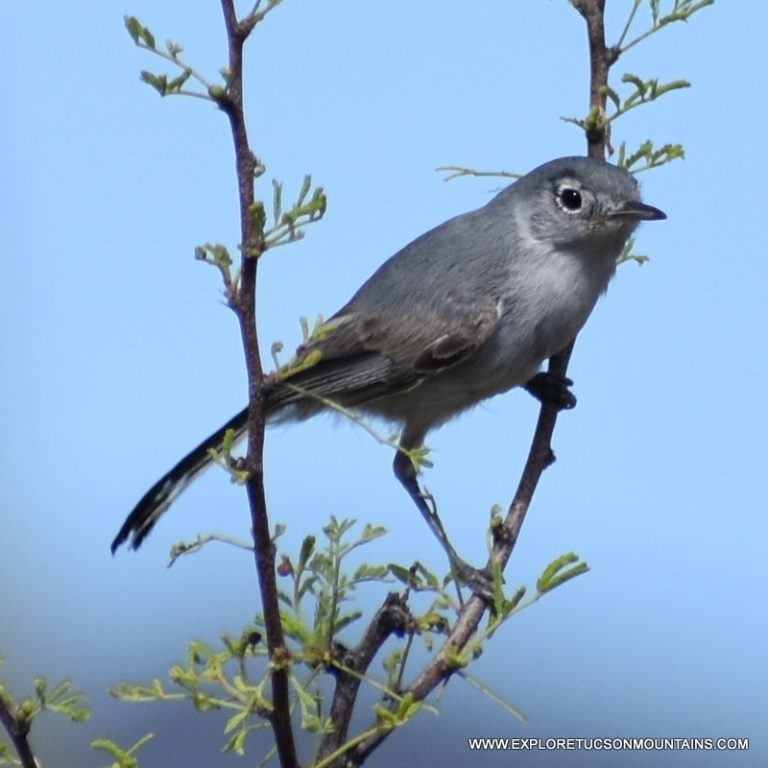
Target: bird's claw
<point>553,389</point>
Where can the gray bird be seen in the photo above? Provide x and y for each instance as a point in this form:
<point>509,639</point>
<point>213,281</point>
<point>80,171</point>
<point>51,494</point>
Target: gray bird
<point>466,311</point>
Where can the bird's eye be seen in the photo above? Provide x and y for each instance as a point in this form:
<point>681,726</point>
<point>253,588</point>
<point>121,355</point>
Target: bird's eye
<point>570,199</point>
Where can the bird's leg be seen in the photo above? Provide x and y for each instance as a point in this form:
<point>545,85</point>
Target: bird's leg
<point>478,581</point>
<point>551,388</point>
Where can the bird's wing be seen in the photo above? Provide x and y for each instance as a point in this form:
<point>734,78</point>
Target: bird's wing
<point>364,355</point>
<point>422,311</point>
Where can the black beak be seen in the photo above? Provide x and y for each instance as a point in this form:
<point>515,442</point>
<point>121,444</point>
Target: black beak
<point>634,209</point>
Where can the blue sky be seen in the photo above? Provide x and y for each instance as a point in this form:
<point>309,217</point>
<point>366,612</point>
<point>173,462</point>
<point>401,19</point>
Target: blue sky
<point>119,356</point>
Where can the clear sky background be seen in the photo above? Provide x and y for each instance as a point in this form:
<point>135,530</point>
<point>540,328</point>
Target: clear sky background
<point>118,355</point>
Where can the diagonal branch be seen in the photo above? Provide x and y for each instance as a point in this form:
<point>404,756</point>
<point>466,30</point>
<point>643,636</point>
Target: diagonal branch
<point>540,455</point>
<point>392,618</point>
<point>18,730</point>
<point>442,666</point>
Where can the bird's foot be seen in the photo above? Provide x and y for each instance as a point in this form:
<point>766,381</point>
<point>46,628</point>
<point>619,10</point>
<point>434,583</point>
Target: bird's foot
<point>553,389</point>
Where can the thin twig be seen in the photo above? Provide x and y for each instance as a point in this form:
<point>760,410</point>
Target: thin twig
<point>456,171</point>
<point>600,60</point>
<point>630,19</point>
<point>245,308</point>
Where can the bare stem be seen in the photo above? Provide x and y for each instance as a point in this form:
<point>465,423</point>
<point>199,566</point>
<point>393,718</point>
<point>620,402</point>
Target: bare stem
<point>245,309</point>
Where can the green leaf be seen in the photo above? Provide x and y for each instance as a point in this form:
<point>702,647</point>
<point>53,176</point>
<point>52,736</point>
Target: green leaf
<point>8,755</point>
<point>112,749</point>
<point>371,532</point>
<point>557,573</point>
<point>370,573</point>
<point>316,724</point>
<point>434,622</point>
<point>304,191</point>
<point>611,94</point>
<point>346,620</point>
<point>132,25</point>
<point>295,627</point>
<point>308,586</point>
<point>40,689</point>
<point>638,82</point>
<point>237,743</point>
<point>158,82</point>
<point>175,85</point>
<point>514,601</point>
<point>432,581</point>
<point>673,85</point>
<point>307,548</point>
<point>406,709</point>
<point>138,32</point>
<point>277,199</point>
<point>26,711</point>
<point>406,575</point>
<point>236,720</point>
<point>123,757</point>
<point>148,38</point>
<point>173,49</point>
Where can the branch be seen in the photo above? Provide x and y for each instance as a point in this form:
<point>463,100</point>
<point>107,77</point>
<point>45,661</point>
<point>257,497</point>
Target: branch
<point>600,60</point>
<point>456,171</point>
<point>443,665</point>
<point>231,102</point>
<point>540,455</point>
<point>393,617</point>
<point>18,729</point>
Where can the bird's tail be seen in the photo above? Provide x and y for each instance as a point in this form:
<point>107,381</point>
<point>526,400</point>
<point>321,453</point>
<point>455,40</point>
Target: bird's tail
<point>283,401</point>
<point>347,382</point>
<point>168,488</point>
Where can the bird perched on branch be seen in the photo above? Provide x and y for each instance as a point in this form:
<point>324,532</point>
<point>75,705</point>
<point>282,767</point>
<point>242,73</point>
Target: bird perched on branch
<point>466,311</point>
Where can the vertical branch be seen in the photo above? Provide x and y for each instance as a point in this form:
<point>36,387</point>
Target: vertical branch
<point>601,59</point>
<point>245,307</point>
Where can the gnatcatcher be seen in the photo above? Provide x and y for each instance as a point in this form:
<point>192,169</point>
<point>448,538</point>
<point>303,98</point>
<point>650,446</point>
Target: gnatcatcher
<point>466,311</point>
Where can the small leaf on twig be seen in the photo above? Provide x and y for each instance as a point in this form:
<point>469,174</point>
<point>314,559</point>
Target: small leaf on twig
<point>557,572</point>
<point>139,33</point>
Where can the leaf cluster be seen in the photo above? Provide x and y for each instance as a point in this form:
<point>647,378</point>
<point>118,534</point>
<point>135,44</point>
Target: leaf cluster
<point>286,226</point>
<point>60,699</point>
<point>234,676</point>
<point>18,714</point>
<point>681,10</point>
<point>319,574</point>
